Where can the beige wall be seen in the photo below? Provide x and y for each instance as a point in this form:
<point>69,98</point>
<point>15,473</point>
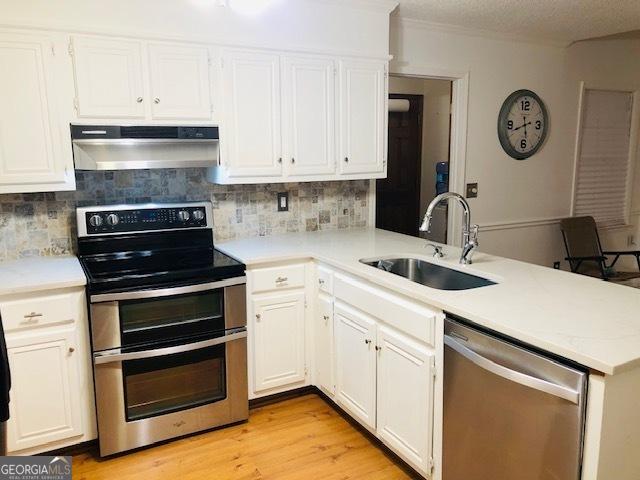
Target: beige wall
<point>519,202</point>
<point>435,126</point>
<point>613,65</point>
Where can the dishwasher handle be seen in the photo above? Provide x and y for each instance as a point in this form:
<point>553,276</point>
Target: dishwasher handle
<point>561,391</point>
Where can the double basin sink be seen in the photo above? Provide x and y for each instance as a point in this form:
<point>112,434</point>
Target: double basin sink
<point>429,274</point>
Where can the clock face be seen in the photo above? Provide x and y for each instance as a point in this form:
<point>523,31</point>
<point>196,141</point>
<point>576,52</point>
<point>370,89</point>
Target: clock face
<point>522,124</point>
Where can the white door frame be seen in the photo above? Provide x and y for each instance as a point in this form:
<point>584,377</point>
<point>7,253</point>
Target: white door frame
<point>458,147</point>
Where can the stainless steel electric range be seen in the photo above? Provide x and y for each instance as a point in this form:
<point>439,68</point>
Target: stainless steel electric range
<point>168,323</point>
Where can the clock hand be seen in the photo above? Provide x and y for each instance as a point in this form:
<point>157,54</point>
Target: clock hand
<point>523,125</point>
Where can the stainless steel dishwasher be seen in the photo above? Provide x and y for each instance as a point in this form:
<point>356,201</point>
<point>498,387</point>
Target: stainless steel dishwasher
<point>509,413</point>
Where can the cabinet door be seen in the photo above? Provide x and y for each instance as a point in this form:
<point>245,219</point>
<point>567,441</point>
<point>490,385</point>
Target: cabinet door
<point>251,124</point>
<point>323,334</point>
<point>356,363</point>
<point>33,155</point>
<point>278,341</point>
<point>179,82</point>
<point>45,389</point>
<point>309,116</point>
<point>109,82</point>
<point>405,384</point>
<point>363,116</point>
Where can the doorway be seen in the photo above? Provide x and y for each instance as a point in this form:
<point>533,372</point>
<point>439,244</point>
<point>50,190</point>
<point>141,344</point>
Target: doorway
<point>418,156</point>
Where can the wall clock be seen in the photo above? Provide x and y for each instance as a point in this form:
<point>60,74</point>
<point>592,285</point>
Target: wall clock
<point>522,124</point>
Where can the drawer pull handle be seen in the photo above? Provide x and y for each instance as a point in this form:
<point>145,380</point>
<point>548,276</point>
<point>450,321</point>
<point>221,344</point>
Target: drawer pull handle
<point>281,279</point>
<point>326,317</point>
<point>32,316</point>
<point>367,341</point>
<point>378,348</point>
<point>258,317</point>
<point>321,281</point>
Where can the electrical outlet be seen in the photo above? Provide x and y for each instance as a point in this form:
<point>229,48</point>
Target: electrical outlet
<point>472,190</point>
<point>283,201</point>
<point>556,265</point>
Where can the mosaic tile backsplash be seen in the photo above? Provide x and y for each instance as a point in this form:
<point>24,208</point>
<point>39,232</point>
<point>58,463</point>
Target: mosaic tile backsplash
<point>42,224</point>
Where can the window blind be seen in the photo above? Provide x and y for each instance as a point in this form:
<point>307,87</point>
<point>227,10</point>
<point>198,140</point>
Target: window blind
<point>603,163</point>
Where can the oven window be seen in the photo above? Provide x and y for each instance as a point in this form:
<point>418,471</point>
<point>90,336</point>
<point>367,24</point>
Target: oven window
<point>158,385</point>
<point>144,321</point>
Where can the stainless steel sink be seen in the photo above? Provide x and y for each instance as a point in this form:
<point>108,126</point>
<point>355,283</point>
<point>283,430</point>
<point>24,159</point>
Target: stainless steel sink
<point>429,274</point>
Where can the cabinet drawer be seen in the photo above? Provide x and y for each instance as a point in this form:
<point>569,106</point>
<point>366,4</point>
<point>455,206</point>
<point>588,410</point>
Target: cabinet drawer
<point>400,312</point>
<point>39,311</point>
<point>278,278</point>
<point>325,280</point>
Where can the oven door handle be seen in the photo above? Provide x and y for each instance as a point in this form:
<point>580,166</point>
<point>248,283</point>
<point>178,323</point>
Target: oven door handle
<point>116,356</point>
<point>167,292</point>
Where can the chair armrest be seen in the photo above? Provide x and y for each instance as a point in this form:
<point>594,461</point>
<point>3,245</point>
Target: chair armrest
<point>596,258</point>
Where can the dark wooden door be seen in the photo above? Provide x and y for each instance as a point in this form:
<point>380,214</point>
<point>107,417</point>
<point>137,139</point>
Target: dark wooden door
<point>398,195</point>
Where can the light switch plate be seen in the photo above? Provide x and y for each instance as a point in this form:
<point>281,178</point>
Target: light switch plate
<point>283,201</point>
<point>472,190</point>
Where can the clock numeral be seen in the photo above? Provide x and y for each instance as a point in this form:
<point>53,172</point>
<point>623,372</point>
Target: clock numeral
<point>538,124</point>
<point>525,105</point>
<point>510,125</point>
<point>523,143</point>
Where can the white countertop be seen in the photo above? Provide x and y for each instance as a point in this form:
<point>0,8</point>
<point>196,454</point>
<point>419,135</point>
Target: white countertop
<point>594,323</point>
<point>40,273</point>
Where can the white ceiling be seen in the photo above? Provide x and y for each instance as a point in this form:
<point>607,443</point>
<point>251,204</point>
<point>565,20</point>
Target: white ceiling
<point>554,20</point>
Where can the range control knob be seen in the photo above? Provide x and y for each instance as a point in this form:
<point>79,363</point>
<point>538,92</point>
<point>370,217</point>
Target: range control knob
<point>198,215</point>
<point>113,219</point>
<point>183,215</point>
<point>95,220</point>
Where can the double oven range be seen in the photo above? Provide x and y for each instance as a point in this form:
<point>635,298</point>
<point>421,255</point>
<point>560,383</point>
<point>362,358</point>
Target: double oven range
<point>168,323</point>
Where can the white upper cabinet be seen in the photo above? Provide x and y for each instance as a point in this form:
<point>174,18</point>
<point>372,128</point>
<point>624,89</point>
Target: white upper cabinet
<point>120,80</point>
<point>251,142</point>
<point>109,78</point>
<point>363,116</point>
<point>179,77</point>
<point>35,154</point>
<point>309,115</point>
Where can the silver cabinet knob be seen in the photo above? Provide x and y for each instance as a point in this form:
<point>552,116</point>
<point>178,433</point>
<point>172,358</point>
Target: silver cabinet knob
<point>95,220</point>
<point>139,99</point>
<point>156,100</point>
<point>113,219</point>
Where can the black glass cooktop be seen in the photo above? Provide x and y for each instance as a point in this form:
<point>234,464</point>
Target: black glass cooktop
<point>154,260</point>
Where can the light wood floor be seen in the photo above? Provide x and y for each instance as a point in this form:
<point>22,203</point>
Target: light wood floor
<point>301,438</point>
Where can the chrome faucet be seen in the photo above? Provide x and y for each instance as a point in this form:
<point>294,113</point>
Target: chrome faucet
<point>469,233</point>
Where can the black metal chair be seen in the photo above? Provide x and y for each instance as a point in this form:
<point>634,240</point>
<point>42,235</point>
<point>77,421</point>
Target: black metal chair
<point>585,254</point>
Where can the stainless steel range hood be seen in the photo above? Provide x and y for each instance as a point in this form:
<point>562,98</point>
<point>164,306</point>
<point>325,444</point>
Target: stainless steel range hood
<point>115,147</point>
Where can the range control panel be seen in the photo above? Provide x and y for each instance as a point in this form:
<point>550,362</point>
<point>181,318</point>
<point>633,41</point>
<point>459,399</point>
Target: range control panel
<point>125,220</point>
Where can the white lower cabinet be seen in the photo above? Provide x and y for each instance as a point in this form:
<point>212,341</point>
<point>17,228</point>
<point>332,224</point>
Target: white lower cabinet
<point>356,363</point>
<point>278,340</point>
<point>44,405</point>
<point>51,400</point>
<point>405,396</point>
<point>324,351</point>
